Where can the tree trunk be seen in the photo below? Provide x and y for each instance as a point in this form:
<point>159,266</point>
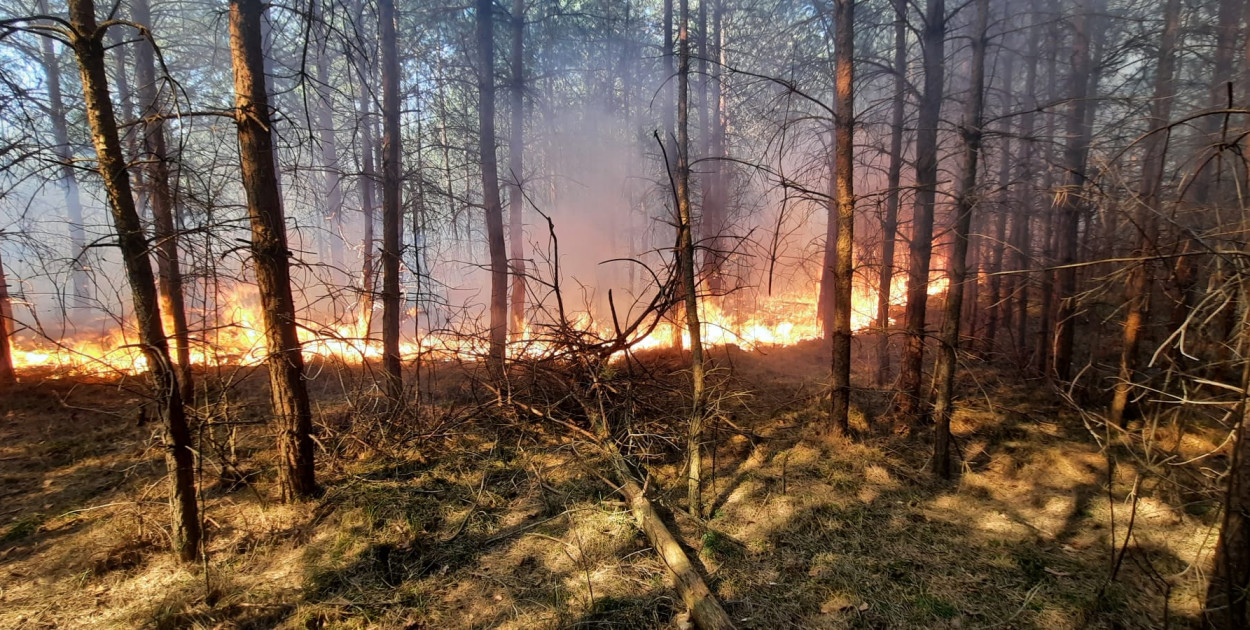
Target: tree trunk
<point>909,403</point>
<point>392,225</point>
<point>716,193</point>
<point>999,308</point>
<point>490,184</point>
<point>516,150</point>
<point>1137,297</point>
<point>169,272</point>
<point>1226,605</point>
<point>1021,237</point>
<point>965,201</point>
<point>87,42</point>
<point>368,184</point>
<point>685,267</point>
<point>1226,27</point>
<point>844,199</point>
<point>64,153</point>
<point>333,209</point>
<point>1042,353</point>
<point>7,375</point>
<point>1069,209</point>
<point>289,397</point>
<point>889,222</point>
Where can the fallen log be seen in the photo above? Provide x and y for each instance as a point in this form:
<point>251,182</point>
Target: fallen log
<point>705,610</point>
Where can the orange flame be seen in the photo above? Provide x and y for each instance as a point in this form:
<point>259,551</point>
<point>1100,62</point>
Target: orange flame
<point>768,321</point>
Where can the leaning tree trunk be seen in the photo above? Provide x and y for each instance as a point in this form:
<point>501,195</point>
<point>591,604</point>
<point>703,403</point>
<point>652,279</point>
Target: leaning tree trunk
<point>490,185</point>
<point>909,403</point>
<point>965,201</point>
<point>889,221</point>
<point>844,199</point>
<point>64,154</point>
<point>392,225</point>
<point>289,396</point>
<point>1137,296</point>
<point>87,41</point>
<point>685,267</point>
<point>169,272</point>
<point>7,375</point>
<point>516,149</point>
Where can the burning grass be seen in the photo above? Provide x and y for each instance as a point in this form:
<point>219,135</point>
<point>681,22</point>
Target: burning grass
<point>495,522</point>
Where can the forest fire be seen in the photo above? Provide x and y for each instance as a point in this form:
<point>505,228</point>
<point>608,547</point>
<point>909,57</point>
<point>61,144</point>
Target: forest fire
<point>238,339</point>
<point>640,314</point>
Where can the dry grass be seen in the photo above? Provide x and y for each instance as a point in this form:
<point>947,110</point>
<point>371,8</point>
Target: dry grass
<point>490,526</point>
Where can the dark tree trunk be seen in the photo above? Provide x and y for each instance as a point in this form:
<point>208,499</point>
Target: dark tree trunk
<point>7,375</point>
<point>909,403</point>
<point>88,47</point>
<point>998,308</point>
<point>289,396</point>
<point>1069,210</point>
<point>368,204</point>
<point>1021,237</point>
<point>1227,605</point>
<point>490,184</point>
<point>965,201</point>
<point>889,222</point>
<point>169,272</point>
<point>392,191</point>
<point>844,200</point>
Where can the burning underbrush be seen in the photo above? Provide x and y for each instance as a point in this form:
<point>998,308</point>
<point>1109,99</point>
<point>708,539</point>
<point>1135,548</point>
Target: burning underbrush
<point>229,330</point>
<point>493,508</point>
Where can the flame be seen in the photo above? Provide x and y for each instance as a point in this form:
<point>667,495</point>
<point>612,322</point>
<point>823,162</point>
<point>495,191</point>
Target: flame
<point>768,321</point>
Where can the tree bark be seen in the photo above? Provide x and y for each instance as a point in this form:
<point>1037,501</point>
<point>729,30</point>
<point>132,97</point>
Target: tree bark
<point>1069,210</point>
<point>965,202</point>
<point>909,403</point>
<point>516,151</point>
<point>1021,236</point>
<point>1226,27</point>
<point>333,209</point>
<point>889,222</point>
<point>490,185</point>
<point>87,42</point>
<point>169,271</point>
<point>685,267</point>
<point>844,199</point>
<point>1227,606</point>
<point>64,153</point>
<point>368,195</point>
<point>998,310</point>
<point>7,375</point>
<point>392,191</point>
<point>289,396</point>
<point>1137,296</point>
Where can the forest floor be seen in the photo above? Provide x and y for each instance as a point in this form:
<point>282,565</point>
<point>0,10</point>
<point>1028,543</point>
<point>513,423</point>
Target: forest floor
<point>481,526</point>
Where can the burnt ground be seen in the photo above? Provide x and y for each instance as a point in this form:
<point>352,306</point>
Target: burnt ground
<point>474,525</point>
